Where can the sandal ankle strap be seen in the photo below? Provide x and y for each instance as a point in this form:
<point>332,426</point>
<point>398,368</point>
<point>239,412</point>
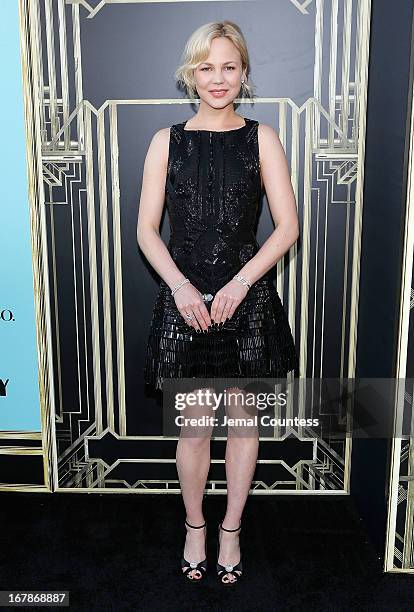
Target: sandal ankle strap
<point>224,529</point>
<point>193,526</point>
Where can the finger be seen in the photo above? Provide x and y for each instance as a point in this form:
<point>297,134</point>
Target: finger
<point>213,308</point>
<point>196,322</point>
<point>205,312</point>
<point>199,318</point>
<point>232,309</point>
<point>220,308</point>
<point>227,309</point>
<point>191,322</point>
<point>202,315</point>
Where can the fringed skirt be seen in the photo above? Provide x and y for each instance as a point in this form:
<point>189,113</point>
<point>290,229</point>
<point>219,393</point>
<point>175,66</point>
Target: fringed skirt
<point>256,342</point>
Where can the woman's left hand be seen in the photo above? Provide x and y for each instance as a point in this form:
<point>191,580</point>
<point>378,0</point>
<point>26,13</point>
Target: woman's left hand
<point>226,300</point>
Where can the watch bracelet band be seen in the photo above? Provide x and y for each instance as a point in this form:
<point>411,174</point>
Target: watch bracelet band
<point>186,280</point>
<point>242,280</point>
<point>238,277</point>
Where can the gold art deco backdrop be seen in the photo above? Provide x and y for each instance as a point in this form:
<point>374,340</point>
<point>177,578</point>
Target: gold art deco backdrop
<point>400,525</point>
<point>85,171</point>
<point>97,84</point>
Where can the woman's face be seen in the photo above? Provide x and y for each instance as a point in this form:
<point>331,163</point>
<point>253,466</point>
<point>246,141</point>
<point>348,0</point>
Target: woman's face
<point>222,70</point>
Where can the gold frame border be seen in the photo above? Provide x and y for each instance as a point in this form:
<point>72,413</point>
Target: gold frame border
<point>401,364</point>
<point>32,101</point>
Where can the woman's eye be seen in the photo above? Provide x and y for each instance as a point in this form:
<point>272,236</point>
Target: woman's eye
<point>208,68</point>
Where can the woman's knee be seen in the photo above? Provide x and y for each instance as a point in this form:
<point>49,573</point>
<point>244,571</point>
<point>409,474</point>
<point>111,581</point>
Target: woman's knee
<point>195,443</point>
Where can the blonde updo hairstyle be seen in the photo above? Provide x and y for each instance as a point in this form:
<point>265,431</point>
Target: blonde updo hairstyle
<point>197,49</point>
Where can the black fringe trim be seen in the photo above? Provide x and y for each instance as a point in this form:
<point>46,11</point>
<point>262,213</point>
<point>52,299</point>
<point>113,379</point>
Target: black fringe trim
<point>256,343</point>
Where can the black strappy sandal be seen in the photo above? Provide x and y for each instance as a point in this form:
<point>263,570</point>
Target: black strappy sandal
<point>228,569</point>
<point>201,566</point>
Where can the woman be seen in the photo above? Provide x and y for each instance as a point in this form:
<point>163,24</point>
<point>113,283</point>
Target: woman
<point>217,313</point>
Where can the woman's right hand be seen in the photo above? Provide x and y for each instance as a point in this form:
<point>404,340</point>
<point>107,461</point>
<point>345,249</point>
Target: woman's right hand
<point>189,302</point>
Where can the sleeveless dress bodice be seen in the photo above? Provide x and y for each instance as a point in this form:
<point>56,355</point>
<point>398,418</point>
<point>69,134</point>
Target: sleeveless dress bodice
<point>212,195</point>
<point>213,192</point>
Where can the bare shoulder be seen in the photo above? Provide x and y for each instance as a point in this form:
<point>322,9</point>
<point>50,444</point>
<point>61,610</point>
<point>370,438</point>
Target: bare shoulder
<point>161,137</point>
<point>158,148</point>
<point>270,146</point>
<point>267,133</point>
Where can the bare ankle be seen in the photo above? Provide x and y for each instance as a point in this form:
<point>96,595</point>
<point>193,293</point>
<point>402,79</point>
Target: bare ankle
<point>231,523</point>
<point>196,521</point>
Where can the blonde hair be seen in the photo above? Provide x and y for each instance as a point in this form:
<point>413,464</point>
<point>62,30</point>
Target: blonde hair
<point>197,49</point>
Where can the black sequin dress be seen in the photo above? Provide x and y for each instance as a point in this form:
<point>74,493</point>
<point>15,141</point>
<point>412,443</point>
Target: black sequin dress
<point>212,191</point>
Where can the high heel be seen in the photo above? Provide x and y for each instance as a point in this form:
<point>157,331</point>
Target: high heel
<point>201,566</point>
<point>223,570</point>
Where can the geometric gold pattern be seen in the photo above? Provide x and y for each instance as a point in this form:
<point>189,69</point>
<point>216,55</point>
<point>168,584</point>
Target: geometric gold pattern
<point>76,203</point>
<point>399,555</point>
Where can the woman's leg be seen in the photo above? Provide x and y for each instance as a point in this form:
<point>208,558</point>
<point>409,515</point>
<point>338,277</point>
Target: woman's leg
<point>241,457</point>
<point>193,464</point>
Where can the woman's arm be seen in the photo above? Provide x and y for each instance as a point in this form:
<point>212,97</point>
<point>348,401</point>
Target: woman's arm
<point>150,210</point>
<point>187,298</point>
<point>282,204</point>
